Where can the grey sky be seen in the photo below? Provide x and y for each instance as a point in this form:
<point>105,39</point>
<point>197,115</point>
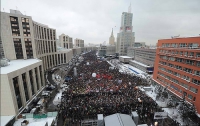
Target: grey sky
<point>92,20</point>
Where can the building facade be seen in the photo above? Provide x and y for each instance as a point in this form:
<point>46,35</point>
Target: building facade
<point>78,42</point>
<point>106,50</point>
<point>30,49</point>
<point>178,67</point>
<point>112,39</point>
<point>21,81</point>
<point>125,38</point>
<point>17,36</point>
<point>145,55</point>
<point>66,41</point>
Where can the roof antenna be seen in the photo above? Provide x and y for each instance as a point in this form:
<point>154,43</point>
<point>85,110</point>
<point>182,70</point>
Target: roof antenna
<point>129,8</point>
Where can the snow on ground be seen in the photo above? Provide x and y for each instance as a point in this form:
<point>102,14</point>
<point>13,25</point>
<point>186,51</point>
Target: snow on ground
<point>57,99</point>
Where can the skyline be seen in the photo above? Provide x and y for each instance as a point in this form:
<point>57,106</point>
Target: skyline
<point>151,20</point>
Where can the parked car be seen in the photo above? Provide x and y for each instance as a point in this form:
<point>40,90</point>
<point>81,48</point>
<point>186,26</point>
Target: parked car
<point>45,94</point>
<point>50,87</point>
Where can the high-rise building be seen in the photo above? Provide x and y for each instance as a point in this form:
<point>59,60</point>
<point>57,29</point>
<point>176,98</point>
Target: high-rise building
<point>125,38</point>
<point>178,67</point>
<point>78,42</point>
<point>66,41</point>
<point>112,39</point>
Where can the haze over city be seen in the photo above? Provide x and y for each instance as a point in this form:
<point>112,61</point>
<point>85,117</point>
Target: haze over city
<point>93,20</point>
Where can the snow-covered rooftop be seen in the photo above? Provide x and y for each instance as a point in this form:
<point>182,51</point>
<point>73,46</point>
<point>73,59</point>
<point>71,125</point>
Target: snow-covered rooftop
<point>139,63</point>
<point>35,122</point>
<point>125,56</point>
<point>5,119</point>
<point>18,64</point>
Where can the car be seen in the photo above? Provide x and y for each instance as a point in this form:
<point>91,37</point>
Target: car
<point>50,87</point>
<point>45,94</point>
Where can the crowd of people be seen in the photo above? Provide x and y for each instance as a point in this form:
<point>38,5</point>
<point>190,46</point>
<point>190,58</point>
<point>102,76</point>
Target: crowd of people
<point>99,89</point>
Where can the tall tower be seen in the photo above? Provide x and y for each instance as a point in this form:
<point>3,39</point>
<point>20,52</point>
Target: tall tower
<point>125,38</point>
<point>112,38</point>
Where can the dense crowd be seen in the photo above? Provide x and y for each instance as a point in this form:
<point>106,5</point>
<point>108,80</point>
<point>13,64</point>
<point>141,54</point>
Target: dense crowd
<point>107,92</point>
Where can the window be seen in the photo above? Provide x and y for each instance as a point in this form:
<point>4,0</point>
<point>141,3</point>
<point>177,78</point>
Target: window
<point>172,58</point>
<point>178,67</point>
<point>193,45</point>
<point>198,63</point>
<point>191,54</point>
<point>187,70</point>
<point>193,89</point>
<point>197,73</point>
<point>190,96</point>
<point>197,55</point>
<point>183,45</point>
<point>181,53</point>
<point>190,62</point>
<point>176,74</point>
<point>184,85</point>
<point>179,60</point>
<point>170,65</point>
<point>195,81</point>
<point>186,78</point>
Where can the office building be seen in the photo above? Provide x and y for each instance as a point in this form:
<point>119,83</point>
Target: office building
<point>178,67</point>
<point>126,37</point>
<point>139,44</point>
<point>66,41</point>
<point>145,55</point>
<point>106,50</point>
<point>112,39</point>
<point>29,50</point>
<point>21,81</point>
<point>78,42</point>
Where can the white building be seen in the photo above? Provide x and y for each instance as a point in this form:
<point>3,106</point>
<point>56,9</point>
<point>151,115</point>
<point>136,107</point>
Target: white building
<point>78,42</point>
<point>21,81</point>
<point>125,38</point>
<point>66,41</point>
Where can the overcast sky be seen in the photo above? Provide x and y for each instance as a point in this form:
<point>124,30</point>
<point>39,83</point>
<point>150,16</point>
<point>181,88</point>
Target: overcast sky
<point>92,20</point>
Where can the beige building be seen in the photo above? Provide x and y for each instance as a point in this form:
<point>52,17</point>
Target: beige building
<point>66,41</point>
<point>106,50</point>
<point>31,48</point>
<point>21,81</point>
<point>78,42</point>
<point>112,39</point>
<point>17,36</point>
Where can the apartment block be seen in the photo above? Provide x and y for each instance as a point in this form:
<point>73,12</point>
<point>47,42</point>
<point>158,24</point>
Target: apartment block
<point>66,41</point>
<point>78,42</point>
<point>178,67</point>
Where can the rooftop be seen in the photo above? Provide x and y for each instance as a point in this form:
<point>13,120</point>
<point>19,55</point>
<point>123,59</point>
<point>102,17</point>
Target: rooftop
<point>18,64</point>
<point>125,57</point>
<point>141,64</point>
<point>119,120</point>
<point>5,119</point>
<point>35,122</point>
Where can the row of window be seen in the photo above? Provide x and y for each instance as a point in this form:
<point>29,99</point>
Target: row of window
<point>188,70</point>
<point>181,53</point>
<point>195,81</point>
<point>25,85</point>
<point>181,60</point>
<point>180,45</point>
<point>191,97</point>
<point>194,90</point>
